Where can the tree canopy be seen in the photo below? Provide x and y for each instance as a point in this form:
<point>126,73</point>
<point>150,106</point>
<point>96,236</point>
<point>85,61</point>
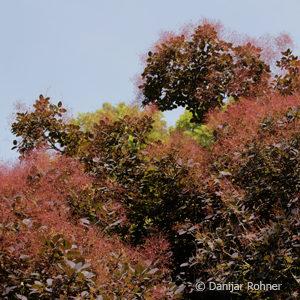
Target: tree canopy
<point>120,208</point>
<point>198,70</point>
<point>110,112</point>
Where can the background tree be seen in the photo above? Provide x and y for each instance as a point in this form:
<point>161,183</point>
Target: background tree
<point>199,132</point>
<point>110,112</point>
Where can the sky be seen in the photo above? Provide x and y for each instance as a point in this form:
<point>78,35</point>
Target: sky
<point>87,52</point>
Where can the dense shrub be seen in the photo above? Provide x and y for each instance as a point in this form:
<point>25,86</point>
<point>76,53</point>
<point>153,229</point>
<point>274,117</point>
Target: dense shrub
<point>254,236</point>
<point>111,206</point>
<point>47,251</point>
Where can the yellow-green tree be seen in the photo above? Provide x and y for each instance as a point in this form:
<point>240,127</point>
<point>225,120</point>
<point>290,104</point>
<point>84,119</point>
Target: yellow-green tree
<point>111,113</point>
<point>199,132</point>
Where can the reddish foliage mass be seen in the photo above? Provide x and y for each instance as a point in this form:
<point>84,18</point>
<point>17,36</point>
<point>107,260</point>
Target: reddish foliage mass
<point>34,195</point>
<point>240,121</point>
<point>37,190</point>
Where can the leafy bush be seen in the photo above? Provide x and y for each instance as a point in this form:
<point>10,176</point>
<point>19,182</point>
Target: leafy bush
<point>48,250</point>
<point>124,210</point>
<point>254,236</point>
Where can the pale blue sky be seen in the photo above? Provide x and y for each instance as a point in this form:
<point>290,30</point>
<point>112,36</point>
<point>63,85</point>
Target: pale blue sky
<point>86,52</point>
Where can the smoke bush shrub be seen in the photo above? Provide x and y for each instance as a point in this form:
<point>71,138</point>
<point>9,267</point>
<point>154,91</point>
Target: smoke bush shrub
<point>49,251</point>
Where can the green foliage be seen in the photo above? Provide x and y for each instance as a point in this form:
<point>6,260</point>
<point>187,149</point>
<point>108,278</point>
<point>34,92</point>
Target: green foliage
<point>114,146</point>
<point>120,151</point>
<point>198,132</point>
<point>87,121</point>
<point>165,197</point>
